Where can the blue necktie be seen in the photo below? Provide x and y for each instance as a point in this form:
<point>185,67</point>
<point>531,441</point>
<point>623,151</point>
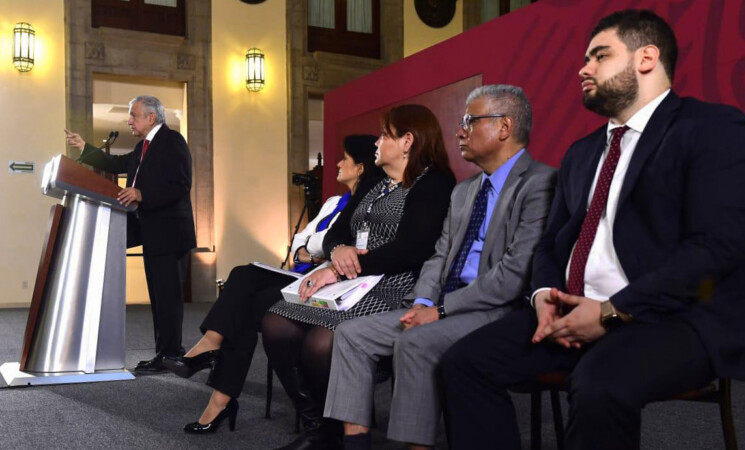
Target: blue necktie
<point>478,214</point>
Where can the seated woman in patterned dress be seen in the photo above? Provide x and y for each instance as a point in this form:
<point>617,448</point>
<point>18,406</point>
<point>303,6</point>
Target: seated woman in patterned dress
<point>231,326</point>
<point>398,223</point>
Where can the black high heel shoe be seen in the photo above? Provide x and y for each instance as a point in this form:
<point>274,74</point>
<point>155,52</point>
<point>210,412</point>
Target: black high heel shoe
<point>186,367</point>
<point>230,411</point>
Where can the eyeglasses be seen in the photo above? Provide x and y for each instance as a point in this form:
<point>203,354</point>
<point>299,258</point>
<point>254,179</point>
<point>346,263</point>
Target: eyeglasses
<point>468,119</point>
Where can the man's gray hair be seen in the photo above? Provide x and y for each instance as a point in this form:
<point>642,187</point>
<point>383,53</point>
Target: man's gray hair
<point>510,101</point>
<point>152,105</point>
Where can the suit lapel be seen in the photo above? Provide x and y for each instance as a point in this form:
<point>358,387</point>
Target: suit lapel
<point>588,168</point>
<point>461,225</point>
<point>154,143</point>
<point>649,141</point>
<point>495,232</point>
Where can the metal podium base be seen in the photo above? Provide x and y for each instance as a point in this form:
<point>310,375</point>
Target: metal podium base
<point>13,376</point>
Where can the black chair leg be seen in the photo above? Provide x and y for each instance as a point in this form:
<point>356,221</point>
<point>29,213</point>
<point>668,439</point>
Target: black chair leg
<point>269,385</point>
<point>725,410</point>
<point>558,419</point>
<point>535,420</point>
<point>269,381</point>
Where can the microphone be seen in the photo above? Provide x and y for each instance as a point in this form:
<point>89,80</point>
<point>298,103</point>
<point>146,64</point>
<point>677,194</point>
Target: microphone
<point>108,141</point>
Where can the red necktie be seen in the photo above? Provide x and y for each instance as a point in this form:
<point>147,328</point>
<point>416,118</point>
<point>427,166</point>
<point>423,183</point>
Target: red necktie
<point>145,145</point>
<point>576,283</point>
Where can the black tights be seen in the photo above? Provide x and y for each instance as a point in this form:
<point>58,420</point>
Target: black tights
<point>290,344</point>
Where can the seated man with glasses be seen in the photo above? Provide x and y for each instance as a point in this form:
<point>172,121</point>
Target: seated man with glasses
<point>479,273</point>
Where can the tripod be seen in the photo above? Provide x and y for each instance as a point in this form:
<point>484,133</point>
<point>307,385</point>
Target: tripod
<point>311,188</point>
<point>307,206</point>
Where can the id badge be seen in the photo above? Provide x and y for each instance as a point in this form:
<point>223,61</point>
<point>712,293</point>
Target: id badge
<point>362,237</point>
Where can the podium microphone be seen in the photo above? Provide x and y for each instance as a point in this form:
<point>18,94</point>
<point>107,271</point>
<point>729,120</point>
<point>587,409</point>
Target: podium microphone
<point>108,141</point>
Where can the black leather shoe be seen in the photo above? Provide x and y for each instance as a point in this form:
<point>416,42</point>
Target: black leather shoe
<point>152,366</point>
<point>186,367</point>
<point>230,411</point>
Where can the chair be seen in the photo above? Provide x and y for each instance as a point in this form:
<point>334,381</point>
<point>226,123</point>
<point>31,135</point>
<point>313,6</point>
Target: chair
<point>383,371</point>
<point>714,392</point>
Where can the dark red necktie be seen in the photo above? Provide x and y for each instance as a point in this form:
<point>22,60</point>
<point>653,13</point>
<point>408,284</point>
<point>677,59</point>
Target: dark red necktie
<point>145,145</point>
<point>576,283</point>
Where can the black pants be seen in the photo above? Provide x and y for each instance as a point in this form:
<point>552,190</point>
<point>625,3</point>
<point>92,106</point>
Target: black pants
<point>165,275</point>
<point>236,315</point>
<point>611,380</point>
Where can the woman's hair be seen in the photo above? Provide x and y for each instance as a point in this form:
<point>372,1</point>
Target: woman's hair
<point>361,147</point>
<point>428,148</point>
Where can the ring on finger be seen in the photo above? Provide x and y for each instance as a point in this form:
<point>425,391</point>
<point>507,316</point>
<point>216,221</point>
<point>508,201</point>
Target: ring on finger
<point>309,283</point>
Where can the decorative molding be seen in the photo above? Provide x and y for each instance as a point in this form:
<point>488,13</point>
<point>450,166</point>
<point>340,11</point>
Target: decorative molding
<point>95,50</point>
<point>310,72</point>
<point>186,62</point>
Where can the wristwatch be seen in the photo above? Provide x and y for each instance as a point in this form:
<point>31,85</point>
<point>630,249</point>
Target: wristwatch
<point>441,312</point>
<point>609,316</point>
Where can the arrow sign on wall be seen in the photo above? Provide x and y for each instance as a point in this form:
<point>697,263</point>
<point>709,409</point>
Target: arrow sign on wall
<point>21,166</point>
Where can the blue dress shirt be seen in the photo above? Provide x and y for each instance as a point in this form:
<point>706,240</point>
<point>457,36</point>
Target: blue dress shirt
<point>471,268</point>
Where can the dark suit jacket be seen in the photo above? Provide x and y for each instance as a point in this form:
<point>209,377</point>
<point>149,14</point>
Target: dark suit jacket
<point>163,222</point>
<point>679,230</point>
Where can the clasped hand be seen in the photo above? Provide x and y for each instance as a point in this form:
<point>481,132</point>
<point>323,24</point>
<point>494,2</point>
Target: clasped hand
<point>573,330</point>
<point>314,282</point>
<point>346,262</point>
<point>419,315</point>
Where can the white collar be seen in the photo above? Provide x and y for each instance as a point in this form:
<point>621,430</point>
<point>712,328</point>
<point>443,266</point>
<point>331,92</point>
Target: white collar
<point>639,120</point>
<point>152,132</point>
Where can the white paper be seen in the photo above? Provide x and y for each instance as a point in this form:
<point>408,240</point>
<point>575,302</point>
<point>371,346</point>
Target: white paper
<point>337,296</point>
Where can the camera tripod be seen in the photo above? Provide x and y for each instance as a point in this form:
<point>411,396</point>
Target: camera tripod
<point>307,206</point>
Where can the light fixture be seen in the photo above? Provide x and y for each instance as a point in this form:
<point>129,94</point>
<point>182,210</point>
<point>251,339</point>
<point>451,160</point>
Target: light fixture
<point>255,70</point>
<point>23,46</point>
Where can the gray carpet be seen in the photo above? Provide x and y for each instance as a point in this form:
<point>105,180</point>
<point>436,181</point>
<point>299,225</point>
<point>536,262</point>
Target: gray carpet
<point>149,412</point>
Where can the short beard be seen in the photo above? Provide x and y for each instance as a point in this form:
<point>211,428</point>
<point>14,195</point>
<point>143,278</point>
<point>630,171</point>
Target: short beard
<point>615,94</point>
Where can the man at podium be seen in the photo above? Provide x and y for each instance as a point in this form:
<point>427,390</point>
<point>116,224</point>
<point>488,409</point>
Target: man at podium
<point>158,182</point>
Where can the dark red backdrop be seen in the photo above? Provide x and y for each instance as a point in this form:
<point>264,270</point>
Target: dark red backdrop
<point>541,48</point>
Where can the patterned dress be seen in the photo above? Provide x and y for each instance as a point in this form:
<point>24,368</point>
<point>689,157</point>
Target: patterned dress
<point>385,213</point>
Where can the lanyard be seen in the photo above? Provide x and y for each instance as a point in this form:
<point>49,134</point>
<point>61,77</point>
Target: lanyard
<point>387,189</point>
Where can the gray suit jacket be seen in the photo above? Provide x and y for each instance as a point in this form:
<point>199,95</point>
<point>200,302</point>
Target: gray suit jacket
<point>516,225</point>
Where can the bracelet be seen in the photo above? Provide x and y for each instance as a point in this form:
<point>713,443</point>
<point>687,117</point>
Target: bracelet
<point>331,253</point>
<point>334,271</point>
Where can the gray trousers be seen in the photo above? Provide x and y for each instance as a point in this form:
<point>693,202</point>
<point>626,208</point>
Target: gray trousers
<point>415,408</point>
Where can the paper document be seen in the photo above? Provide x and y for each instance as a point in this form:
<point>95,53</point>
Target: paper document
<point>278,270</point>
<point>338,296</point>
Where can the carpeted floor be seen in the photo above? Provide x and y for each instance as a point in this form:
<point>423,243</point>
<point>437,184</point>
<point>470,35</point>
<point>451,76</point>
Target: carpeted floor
<point>149,412</point>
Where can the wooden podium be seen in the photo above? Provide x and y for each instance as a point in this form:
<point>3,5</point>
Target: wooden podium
<point>75,328</point>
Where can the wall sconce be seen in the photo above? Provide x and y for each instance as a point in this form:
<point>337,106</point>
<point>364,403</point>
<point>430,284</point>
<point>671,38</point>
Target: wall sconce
<point>255,70</point>
<point>23,46</point>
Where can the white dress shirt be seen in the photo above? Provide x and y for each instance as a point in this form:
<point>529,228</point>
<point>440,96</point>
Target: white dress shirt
<point>152,132</point>
<point>311,239</point>
<point>604,275</point>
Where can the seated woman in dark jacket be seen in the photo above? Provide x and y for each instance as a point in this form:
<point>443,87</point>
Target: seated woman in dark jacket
<point>231,326</point>
<point>392,231</point>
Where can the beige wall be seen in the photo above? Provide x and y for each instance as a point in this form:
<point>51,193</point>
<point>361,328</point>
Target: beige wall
<point>250,138</point>
<point>418,35</point>
<point>250,135</point>
<point>33,105</point>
